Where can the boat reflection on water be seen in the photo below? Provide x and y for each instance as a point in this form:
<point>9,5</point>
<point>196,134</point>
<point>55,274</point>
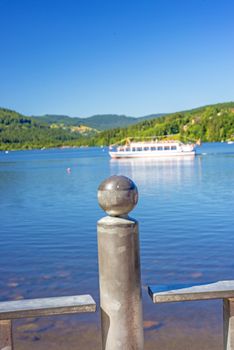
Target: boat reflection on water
<point>146,171</point>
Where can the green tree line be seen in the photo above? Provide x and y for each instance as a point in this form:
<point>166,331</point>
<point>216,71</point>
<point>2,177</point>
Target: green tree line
<point>209,124</point>
<point>20,132</point>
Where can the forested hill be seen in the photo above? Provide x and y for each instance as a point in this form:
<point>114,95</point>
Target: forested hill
<point>20,132</point>
<point>98,122</point>
<point>209,123</point>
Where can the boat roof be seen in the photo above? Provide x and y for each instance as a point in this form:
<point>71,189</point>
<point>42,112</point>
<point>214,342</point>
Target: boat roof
<point>150,143</point>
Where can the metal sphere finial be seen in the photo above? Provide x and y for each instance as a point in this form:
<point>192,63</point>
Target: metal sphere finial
<point>117,195</point>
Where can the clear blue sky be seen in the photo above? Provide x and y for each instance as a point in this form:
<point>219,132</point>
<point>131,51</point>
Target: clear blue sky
<point>83,57</point>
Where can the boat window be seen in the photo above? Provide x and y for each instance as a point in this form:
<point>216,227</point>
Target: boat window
<point>160,148</point>
<point>127,149</point>
<point>146,148</point>
<point>121,149</point>
<point>166,148</point>
<point>173,148</point>
<point>139,148</point>
<point>133,149</point>
<point>153,148</point>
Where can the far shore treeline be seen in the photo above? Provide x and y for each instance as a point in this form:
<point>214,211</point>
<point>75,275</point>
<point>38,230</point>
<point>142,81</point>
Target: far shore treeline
<point>211,123</point>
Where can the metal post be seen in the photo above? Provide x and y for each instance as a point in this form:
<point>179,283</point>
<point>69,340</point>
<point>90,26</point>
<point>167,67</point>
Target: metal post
<point>119,267</point>
<point>228,324</point>
<point>6,342</point>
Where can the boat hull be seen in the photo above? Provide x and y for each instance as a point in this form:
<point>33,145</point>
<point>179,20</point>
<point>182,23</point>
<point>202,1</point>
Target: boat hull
<point>150,154</point>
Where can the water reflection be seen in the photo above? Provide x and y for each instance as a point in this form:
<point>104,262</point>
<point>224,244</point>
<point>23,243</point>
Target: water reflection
<point>148,170</point>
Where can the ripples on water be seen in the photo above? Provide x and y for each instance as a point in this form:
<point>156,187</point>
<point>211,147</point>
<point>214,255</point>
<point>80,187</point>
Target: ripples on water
<point>48,219</point>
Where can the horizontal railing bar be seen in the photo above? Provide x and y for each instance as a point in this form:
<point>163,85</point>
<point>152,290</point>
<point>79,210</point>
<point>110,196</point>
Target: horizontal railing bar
<point>27,308</point>
<point>190,292</point>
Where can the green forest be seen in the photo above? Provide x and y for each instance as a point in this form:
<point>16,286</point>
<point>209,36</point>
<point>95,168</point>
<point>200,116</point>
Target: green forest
<point>209,124</point>
<point>20,132</point>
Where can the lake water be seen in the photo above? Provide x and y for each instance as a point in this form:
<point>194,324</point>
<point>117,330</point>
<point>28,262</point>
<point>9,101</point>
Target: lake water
<point>48,221</point>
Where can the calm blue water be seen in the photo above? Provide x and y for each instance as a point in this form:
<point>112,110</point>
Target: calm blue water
<point>48,219</point>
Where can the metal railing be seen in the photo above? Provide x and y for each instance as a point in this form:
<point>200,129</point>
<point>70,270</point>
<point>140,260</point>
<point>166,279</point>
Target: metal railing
<point>119,281</point>
<point>191,292</point>
<point>11,310</point>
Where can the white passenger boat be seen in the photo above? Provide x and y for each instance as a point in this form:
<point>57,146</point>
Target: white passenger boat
<point>152,149</point>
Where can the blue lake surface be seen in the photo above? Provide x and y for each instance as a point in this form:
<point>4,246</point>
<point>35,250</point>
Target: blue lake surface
<point>48,244</point>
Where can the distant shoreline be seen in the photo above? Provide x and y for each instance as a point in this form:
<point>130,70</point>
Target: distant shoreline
<point>85,147</point>
<point>212,123</point>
